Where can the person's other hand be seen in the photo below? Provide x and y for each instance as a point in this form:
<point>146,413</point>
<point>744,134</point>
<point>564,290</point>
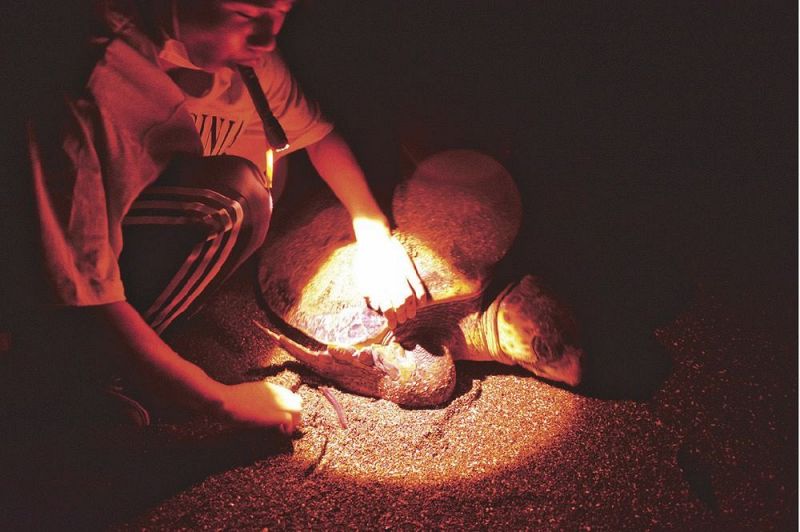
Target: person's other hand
<point>262,404</point>
<point>385,274</point>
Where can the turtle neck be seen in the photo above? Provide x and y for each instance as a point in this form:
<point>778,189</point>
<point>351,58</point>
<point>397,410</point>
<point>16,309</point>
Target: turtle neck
<point>480,333</point>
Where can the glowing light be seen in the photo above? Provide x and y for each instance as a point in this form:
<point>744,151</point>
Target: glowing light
<point>494,426</point>
<point>381,266</point>
<point>270,159</point>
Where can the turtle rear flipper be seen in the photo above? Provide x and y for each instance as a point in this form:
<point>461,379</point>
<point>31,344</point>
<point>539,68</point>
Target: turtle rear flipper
<point>413,378</point>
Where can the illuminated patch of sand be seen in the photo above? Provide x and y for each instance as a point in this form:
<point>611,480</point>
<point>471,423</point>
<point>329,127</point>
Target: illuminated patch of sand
<point>492,425</point>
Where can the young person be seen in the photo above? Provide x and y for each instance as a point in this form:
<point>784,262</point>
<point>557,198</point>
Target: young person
<point>151,188</point>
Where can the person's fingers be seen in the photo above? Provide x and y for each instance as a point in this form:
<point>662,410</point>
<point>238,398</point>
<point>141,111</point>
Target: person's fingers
<point>290,402</point>
<point>391,317</point>
<point>292,421</point>
<point>409,303</point>
<point>411,306</point>
<point>420,294</point>
<point>415,281</point>
<point>285,399</point>
<point>400,311</point>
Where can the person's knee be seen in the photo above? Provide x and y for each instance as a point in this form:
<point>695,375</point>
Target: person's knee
<point>246,179</point>
<point>234,177</point>
<point>243,178</point>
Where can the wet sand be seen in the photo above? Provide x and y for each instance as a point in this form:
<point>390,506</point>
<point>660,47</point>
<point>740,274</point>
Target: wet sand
<point>713,448</point>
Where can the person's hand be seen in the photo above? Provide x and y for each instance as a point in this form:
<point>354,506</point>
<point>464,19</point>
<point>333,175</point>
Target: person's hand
<point>262,404</point>
<point>385,274</point>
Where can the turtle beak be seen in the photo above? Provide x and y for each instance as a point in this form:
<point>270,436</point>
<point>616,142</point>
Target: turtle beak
<point>572,372</point>
<point>567,369</point>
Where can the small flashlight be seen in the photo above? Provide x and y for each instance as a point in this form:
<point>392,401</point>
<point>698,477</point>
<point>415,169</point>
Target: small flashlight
<point>276,137</point>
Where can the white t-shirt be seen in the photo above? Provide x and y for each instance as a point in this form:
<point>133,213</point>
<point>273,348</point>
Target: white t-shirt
<point>113,141</point>
<point>223,112</point>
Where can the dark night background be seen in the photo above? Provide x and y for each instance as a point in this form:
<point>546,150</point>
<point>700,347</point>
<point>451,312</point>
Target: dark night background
<point>654,143</point>
<point>633,123</point>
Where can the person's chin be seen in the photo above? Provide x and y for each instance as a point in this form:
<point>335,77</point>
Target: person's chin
<point>217,64</point>
<point>214,66</point>
<point>231,63</point>
<point>253,61</point>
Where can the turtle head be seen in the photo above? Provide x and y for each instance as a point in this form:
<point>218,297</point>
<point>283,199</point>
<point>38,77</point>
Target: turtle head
<point>536,332</point>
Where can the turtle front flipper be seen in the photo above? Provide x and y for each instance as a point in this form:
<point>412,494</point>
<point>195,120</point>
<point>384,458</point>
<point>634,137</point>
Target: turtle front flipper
<point>413,378</point>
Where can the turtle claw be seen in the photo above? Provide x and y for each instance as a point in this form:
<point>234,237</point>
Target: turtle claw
<point>357,370</point>
<point>412,378</point>
<point>365,357</point>
<point>301,353</point>
<point>349,355</point>
<point>344,355</point>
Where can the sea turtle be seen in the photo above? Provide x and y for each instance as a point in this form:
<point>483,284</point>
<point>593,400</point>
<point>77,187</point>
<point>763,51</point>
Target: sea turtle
<point>457,216</point>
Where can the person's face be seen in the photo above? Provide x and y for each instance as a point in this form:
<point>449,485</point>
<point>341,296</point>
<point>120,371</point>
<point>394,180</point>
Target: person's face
<point>224,33</point>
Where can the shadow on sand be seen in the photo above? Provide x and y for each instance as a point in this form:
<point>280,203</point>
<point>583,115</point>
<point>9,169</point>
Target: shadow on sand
<point>88,479</point>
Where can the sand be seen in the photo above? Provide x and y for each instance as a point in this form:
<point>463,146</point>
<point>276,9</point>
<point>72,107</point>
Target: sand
<point>708,450</point>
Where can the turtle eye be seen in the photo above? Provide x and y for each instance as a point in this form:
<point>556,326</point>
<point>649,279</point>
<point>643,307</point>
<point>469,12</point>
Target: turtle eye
<point>544,351</point>
<point>540,348</point>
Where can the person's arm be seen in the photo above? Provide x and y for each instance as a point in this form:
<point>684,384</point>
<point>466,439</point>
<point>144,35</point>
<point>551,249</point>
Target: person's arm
<point>386,273</point>
<point>74,242</point>
<point>177,380</point>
